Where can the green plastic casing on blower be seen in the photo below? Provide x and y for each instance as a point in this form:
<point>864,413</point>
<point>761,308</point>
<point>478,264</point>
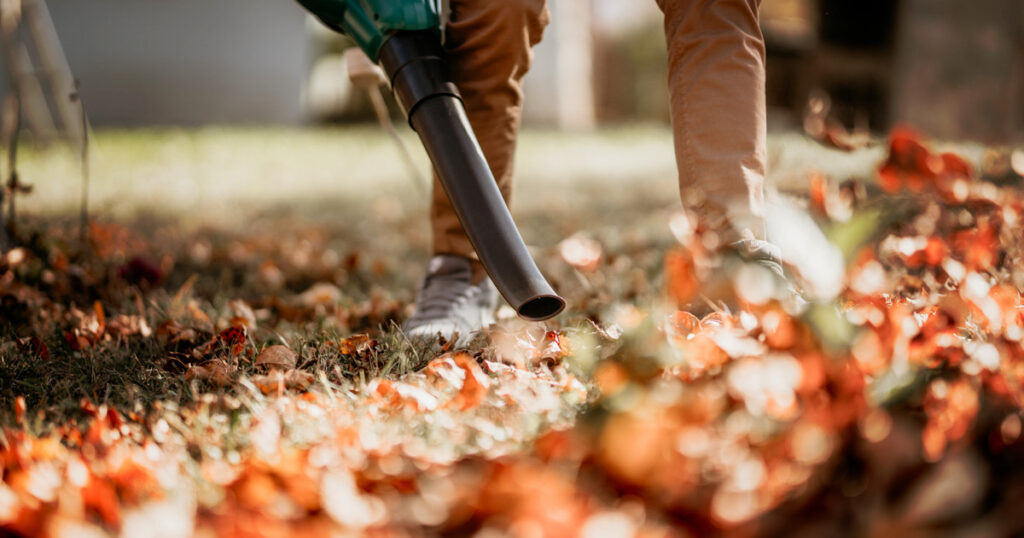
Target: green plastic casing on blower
<point>371,22</point>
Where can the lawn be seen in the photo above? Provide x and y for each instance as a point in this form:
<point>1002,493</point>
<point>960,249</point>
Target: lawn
<point>220,352</point>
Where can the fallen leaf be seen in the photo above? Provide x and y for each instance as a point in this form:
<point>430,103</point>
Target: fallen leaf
<point>581,252</point>
<point>474,387</point>
<point>396,394</point>
<point>34,346</point>
<point>234,339</point>
<point>357,344</point>
<point>277,356</point>
<point>217,372</point>
<point>242,314</point>
<point>277,381</point>
<point>681,276</point>
<point>321,293</point>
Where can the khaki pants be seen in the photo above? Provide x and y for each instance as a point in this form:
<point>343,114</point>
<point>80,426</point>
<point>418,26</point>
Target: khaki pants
<point>716,79</point>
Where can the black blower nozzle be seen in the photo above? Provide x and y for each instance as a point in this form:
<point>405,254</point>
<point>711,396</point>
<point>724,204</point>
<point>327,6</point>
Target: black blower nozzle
<point>414,62</point>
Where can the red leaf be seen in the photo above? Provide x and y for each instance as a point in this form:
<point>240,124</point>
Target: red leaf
<point>34,346</point>
<point>233,338</point>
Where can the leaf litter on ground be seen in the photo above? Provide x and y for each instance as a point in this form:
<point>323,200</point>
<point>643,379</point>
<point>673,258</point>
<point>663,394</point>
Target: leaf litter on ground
<point>246,387</point>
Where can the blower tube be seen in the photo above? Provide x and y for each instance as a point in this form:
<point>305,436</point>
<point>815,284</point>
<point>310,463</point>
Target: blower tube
<point>414,62</point>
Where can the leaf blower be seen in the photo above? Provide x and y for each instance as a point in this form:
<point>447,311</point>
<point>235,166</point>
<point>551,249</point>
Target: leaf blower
<point>404,36</point>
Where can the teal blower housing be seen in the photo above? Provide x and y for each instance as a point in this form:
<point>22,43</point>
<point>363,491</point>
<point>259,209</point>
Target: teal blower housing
<point>404,37</point>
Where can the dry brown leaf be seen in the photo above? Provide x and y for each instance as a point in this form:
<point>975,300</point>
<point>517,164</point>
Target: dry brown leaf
<point>278,356</point>
<point>196,314</point>
<point>356,344</point>
<point>581,252</point>
<point>277,381</point>
<point>242,314</point>
<point>298,379</point>
<point>321,293</point>
<point>218,372</point>
<point>125,325</point>
<point>836,136</point>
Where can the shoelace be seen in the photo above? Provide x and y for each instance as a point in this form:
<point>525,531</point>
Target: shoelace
<point>440,299</point>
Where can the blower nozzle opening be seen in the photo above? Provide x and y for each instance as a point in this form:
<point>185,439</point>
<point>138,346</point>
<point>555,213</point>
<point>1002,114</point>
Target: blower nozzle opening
<point>414,62</point>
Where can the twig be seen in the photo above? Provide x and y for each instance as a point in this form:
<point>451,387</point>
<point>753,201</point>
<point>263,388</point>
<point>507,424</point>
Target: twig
<point>13,185</point>
<point>84,163</point>
<point>10,114</point>
<point>10,19</point>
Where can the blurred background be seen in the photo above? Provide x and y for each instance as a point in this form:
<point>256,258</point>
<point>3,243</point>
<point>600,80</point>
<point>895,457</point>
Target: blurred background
<point>215,160</point>
<point>954,69</point>
<point>199,105</point>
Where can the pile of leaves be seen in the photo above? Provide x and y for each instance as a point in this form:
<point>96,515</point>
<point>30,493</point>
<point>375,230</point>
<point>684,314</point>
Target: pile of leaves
<point>876,388</point>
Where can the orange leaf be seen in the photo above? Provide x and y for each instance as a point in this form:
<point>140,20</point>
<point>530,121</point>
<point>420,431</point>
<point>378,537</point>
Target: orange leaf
<point>474,387</point>
<point>19,409</point>
<point>101,498</point>
<point>554,347</point>
<point>101,318</point>
<point>681,276</point>
<point>818,193</point>
<point>356,344</point>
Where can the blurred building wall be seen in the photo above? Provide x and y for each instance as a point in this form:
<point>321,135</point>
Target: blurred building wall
<point>186,62</point>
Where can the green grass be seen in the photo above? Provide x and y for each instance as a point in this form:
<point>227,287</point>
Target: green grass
<point>227,175</point>
<point>213,206</point>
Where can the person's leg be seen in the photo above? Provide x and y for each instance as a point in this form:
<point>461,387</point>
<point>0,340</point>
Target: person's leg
<point>489,46</point>
<point>717,84</point>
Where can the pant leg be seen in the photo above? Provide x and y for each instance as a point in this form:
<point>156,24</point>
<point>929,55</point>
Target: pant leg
<point>488,43</point>
<point>716,61</point>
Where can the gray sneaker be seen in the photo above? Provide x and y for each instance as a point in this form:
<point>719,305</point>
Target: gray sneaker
<point>761,252</point>
<point>450,303</point>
